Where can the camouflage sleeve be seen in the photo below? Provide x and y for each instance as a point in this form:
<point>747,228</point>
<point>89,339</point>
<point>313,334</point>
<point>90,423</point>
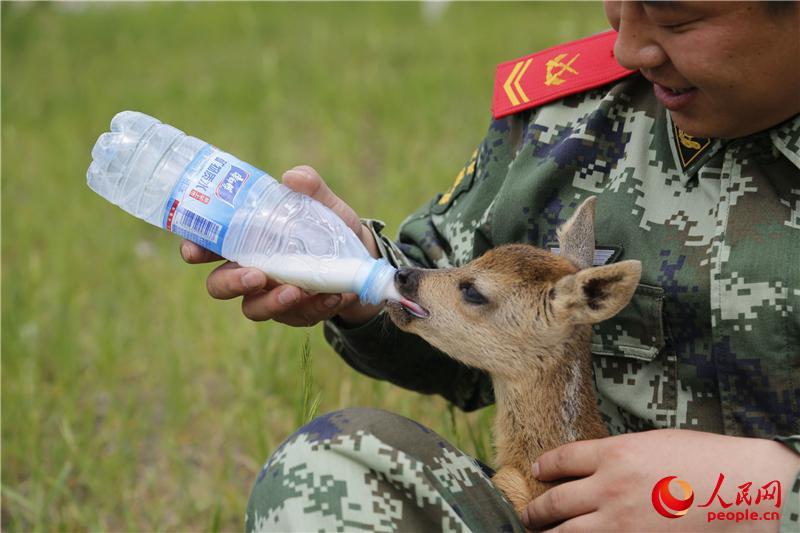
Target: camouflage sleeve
<point>790,512</point>
<point>380,350</point>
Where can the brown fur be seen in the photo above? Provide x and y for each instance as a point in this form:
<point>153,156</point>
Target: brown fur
<point>531,335</point>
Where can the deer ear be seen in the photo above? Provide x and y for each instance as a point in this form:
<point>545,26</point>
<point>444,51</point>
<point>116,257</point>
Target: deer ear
<point>595,294</point>
<point>576,235</point>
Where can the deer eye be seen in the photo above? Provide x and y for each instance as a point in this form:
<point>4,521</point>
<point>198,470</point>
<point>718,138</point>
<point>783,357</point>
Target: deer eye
<point>471,295</point>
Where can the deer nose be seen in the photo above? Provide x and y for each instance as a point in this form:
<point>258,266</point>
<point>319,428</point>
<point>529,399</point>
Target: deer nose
<point>407,281</point>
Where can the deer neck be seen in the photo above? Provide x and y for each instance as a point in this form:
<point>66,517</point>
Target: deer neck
<point>539,412</point>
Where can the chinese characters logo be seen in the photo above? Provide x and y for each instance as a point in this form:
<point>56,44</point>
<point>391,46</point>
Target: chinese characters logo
<point>231,183</point>
<point>671,505</point>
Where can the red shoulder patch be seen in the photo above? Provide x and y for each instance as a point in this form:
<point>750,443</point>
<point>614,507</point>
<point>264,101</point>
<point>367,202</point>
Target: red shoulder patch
<point>554,73</point>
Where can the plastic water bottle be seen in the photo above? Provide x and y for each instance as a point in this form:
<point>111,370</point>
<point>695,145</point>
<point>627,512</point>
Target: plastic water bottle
<point>189,187</point>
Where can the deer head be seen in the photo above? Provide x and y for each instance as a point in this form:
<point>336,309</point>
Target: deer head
<point>512,309</point>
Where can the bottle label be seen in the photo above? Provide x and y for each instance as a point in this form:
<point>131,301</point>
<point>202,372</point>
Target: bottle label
<point>209,192</point>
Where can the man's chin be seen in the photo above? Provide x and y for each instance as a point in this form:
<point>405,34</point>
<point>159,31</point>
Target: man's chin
<point>695,126</point>
<point>701,125</point>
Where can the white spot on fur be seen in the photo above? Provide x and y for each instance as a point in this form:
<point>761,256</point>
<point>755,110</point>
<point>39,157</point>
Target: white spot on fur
<point>569,405</point>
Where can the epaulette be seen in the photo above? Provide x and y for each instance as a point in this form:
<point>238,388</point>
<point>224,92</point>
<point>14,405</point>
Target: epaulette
<point>555,73</point>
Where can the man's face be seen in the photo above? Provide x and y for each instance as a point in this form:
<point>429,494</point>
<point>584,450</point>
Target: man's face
<point>723,69</point>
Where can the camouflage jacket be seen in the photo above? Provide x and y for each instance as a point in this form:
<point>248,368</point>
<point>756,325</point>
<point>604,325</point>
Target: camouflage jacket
<point>711,339</point>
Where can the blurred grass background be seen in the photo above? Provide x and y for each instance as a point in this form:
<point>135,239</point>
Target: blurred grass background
<point>130,399</point>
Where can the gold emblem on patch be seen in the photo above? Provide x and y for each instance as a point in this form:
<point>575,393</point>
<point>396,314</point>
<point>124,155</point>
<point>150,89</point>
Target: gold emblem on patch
<point>555,68</point>
<point>689,147</point>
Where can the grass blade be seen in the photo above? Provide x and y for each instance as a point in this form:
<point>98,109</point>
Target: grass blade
<point>307,408</point>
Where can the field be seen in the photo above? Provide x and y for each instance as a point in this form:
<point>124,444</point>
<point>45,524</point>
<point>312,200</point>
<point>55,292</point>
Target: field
<point>130,399</point>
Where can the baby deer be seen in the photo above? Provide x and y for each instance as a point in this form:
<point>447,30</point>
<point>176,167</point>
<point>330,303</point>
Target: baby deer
<point>524,316</point>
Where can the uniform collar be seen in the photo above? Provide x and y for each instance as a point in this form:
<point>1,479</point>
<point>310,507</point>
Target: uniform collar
<point>786,139</point>
<point>691,153</point>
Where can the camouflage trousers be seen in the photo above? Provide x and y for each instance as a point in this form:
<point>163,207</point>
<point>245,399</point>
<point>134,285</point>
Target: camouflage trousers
<point>367,469</point>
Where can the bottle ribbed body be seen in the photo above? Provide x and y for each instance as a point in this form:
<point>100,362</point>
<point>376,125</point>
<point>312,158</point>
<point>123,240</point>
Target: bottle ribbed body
<point>189,187</point>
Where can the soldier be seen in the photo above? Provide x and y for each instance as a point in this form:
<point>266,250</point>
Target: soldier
<point>692,145</point>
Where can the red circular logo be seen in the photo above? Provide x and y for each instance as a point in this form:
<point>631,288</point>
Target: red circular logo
<point>668,505</point>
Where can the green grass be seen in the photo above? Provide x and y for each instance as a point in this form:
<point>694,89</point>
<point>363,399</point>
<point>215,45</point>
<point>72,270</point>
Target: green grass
<point>130,399</point>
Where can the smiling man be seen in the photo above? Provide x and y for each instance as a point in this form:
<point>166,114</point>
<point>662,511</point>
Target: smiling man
<point>685,126</point>
<point>722,69</point>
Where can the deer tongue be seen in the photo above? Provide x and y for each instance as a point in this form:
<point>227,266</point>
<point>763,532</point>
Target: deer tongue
<point>414,308</point>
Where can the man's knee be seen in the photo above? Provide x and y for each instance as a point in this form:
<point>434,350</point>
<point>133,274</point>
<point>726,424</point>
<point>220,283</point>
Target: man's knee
<point>345,431</point>
<point>328,464</point>
<point>375,470</point>
<point>396,430</point>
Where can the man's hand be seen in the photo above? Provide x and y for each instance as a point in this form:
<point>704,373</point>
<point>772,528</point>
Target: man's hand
<point>266,299</point>
<point>616,475</point>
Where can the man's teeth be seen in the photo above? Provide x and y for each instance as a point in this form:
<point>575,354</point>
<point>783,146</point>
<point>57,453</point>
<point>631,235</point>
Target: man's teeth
<point>680,91</point>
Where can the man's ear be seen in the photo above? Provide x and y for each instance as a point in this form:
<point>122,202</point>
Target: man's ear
<point>595,294</point>
<point>576,235</point>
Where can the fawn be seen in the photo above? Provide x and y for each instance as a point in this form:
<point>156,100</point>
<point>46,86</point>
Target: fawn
<point>524,316</point>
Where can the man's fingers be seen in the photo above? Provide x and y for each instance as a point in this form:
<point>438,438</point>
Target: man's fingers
<point>306,180</point>
<point>576,459</point>
<point>264,299</point>
<point>584,522</point>
<point>559,503</point>
<point>193,253</point>
<point>289,305</point>
<point>230,280</point>
<point>266,305</point>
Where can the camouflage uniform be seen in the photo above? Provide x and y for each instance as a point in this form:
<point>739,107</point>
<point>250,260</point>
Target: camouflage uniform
<point>711,339</point>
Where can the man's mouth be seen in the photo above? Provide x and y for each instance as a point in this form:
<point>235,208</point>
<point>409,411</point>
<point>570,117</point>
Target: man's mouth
<point>679,91</point>
<point>414,309</point>
<point>674,98</point>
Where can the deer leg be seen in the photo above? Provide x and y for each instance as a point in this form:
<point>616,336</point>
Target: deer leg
<point>511,482</point>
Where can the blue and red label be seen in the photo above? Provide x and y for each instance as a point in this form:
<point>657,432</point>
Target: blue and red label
<point>229,187</point>
<point>210,190</point>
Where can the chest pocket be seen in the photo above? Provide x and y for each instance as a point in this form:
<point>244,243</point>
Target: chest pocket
<point>637,331</point>
<point>636,387</point>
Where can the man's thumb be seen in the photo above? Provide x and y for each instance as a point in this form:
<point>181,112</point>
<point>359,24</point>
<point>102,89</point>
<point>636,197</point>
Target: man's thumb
<point>306,180</point>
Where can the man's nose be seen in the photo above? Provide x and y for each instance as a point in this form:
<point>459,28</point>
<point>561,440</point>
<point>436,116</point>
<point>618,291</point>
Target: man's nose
<point>637,46</point>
